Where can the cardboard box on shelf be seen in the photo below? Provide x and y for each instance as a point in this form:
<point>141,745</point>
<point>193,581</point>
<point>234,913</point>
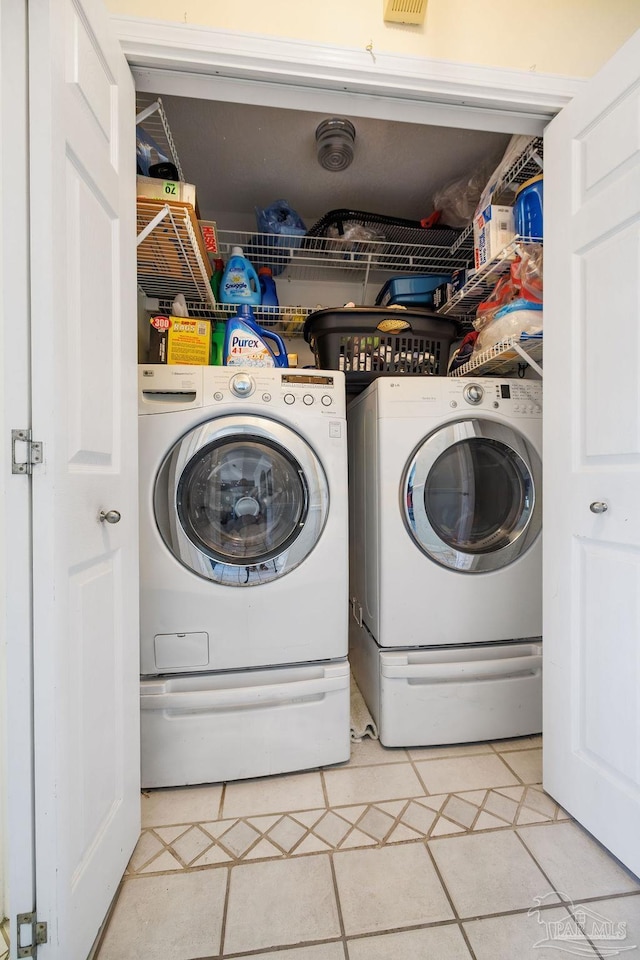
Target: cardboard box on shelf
<point>441,294</point>
<point>459,278</point>
<point>493,229</point>
<point>210,237</point>
<point>180,340</point>
<point>156,189</point>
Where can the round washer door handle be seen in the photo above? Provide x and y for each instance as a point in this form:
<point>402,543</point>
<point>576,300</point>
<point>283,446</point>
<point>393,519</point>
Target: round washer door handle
<point>111,516</point>
<point>598,506</point>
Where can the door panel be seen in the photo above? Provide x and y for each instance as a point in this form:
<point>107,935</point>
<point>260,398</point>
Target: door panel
<point>592,457</point>
<point>84,410</point>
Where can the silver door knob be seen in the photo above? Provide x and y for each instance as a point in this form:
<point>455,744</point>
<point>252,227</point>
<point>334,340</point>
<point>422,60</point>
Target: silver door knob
<point>111,516</point>
<point>598,506</point>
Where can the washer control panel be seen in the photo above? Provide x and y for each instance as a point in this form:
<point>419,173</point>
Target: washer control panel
<point>303,392</point>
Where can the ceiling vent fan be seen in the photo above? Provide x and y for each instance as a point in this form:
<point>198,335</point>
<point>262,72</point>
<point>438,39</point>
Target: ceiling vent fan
<point>334,143</point>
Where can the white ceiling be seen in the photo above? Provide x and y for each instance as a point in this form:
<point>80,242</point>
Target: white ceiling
<point>241,156</point>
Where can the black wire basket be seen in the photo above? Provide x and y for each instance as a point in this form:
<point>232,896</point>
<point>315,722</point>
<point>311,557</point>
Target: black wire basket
<point>335,223</point>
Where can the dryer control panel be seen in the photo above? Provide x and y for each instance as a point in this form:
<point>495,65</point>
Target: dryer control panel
<point>517,398</point>
<point>440,396</point>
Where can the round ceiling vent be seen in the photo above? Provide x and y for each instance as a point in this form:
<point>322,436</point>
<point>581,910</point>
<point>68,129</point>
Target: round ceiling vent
<point>334,143</point>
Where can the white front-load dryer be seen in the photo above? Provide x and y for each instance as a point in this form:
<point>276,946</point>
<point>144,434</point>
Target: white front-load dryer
<point>243,572</point>
<point>446,556</point>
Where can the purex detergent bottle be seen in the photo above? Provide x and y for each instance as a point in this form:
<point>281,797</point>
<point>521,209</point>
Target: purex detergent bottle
<point>240,283</point>
<point>245,343</point>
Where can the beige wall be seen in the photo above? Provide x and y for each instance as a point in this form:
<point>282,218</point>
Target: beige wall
<point>569,37</point>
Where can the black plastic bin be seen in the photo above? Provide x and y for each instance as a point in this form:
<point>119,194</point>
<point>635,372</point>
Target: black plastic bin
<point>369,342</point>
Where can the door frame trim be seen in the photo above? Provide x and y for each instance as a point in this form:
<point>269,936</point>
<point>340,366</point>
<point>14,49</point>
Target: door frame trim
<point>205,62</point>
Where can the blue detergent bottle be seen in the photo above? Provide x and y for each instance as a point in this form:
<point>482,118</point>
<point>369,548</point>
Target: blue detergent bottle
<point>267,287</point>
<point>245,343</point>
<point>240,283</point>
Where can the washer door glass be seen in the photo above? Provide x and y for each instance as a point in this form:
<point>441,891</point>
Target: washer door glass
<point>241,500</point>
<point>471,496</point>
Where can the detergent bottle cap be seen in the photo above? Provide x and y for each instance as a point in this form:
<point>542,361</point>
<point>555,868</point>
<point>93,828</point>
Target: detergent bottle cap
<point>237,252</point>
<point>264,271</point>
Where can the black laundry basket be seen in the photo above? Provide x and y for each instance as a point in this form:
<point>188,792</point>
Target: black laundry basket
<point>369,342</point>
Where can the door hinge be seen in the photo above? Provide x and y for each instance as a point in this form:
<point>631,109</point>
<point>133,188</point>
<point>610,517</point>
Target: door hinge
<point>38,934</point>
<point>33,452</point>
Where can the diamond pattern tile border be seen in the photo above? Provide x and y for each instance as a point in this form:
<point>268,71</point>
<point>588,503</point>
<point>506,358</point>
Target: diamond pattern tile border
<point>311,831</point>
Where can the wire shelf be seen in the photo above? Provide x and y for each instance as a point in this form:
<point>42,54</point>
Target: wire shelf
<point>309,258</point>
<point>172,258</point>
<point>150,115</point>
<point>504,357</point>
<point>477,289</point>
<point>287,321</point>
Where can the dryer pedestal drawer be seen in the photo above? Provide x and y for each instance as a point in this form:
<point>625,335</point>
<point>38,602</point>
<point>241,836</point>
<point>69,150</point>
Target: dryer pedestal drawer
<point>426,697</point>
<point>209,728</point>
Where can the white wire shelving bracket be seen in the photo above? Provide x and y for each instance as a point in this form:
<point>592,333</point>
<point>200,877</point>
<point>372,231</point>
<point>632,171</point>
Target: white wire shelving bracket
<point>151,116</point>
<point>504,357</point>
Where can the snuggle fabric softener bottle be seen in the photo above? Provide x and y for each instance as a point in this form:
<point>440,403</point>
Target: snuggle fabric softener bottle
<point>245,343</point>
<point>240,283</point>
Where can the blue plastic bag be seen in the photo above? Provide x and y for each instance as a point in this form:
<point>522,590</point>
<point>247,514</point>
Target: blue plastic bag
<point>283,227</point>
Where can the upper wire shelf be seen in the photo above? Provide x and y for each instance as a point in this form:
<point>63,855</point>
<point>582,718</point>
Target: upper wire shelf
<point>309,258</point>
<point>150,115</point>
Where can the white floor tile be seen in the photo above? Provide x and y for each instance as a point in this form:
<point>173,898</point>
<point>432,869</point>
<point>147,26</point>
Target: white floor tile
<point>455,774</point>
<point>448,750</point>
<point>574,862</point>
<point>435,943</point>
<point>488,873</point>
<point>606,919</point>
<point>526,764</point>
<point>161,808</point>
<point>519,743</point>
<point>369,751</point>
<point>177,916</point>
<point>526,936</point>
<point>319,951</point>
<point>281,794</point>
<point>280,902</point>
<point>388,887</point>
<point>369,784</point>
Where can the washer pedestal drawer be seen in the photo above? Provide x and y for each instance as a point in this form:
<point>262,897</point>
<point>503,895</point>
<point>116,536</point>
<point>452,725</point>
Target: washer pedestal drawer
<point>208,728</point>
<point>428,697</point>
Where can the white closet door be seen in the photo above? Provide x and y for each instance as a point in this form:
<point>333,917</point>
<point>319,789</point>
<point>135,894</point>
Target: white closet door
<point>592,457</point>
<point>85,596</point>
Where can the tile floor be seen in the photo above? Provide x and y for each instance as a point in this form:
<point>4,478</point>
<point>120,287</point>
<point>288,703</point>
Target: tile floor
<point>448,853</point>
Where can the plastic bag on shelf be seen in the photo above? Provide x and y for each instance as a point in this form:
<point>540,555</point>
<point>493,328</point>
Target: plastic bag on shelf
<point>279,218</point>
<point>512,320</point>
<point>457,200</point>
<point>284,228</point>
<point>353,237</point>
<point>530,271</point>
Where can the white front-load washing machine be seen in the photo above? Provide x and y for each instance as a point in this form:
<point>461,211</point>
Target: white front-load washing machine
<point>446,557</point>
<point>243,572</point>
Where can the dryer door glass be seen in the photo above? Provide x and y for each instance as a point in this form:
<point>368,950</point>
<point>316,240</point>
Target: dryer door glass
<point>242,500</point>
<point>472,496</point>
